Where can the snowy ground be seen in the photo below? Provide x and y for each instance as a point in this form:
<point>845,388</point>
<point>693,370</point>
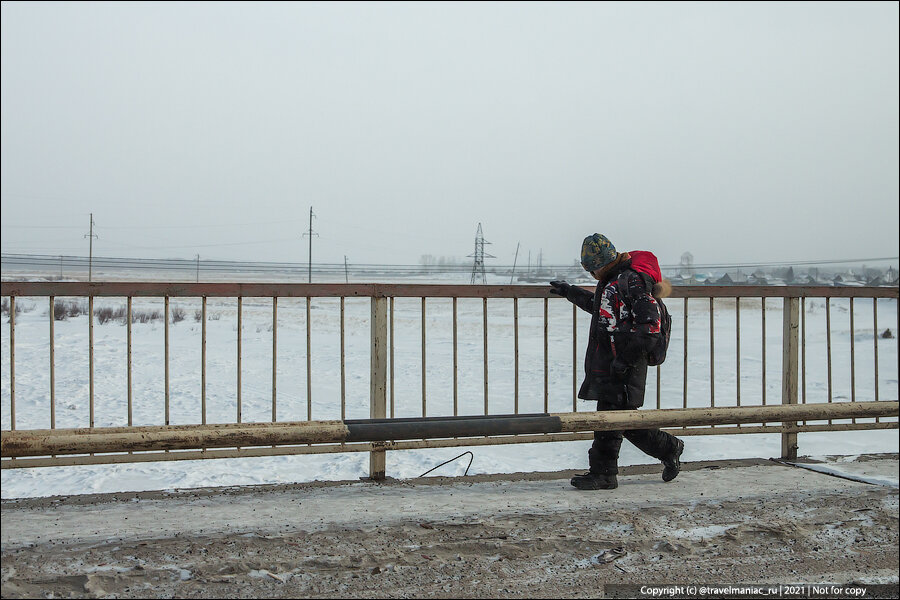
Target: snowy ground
<point>849,380</point>
<point>524,535</point>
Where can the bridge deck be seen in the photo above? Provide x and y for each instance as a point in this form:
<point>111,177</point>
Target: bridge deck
<point>750,521</point>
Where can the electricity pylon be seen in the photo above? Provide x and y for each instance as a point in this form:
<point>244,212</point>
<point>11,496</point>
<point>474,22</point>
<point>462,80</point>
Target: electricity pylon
<point>479,255</point>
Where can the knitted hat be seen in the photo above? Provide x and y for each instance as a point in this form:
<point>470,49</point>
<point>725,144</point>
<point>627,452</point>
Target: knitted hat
<point>597,252</point>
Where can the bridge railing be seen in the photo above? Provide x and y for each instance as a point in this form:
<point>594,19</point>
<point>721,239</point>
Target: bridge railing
<point>432,353</point>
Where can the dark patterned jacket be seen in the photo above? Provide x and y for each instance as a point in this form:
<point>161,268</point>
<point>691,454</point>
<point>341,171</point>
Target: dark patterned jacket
<point>625,323</point>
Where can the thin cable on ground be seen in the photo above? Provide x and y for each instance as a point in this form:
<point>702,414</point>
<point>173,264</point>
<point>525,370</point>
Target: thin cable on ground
<point>825,470</point>
<point>472,457</point>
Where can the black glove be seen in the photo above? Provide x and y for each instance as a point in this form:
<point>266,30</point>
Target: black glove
<point>620,368</point>
<point>560,288</point>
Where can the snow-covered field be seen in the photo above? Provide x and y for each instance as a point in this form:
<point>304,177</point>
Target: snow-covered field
<point>848,381</point>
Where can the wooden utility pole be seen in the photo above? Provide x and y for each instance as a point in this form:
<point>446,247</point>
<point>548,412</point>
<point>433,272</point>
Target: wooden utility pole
<point>310,234</point>
<point>512,274</point>
<point>91,237</point>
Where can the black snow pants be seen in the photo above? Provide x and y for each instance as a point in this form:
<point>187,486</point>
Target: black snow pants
<point>603,457</point>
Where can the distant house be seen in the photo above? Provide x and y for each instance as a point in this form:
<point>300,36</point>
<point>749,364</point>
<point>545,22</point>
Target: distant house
<point>813,277</point>
<point>847,282</point>
<point>786,275</point>
<point>855,276</point>
<point>739,278</point>
<point>763,276</point>
<point>758,278</point>
<point>808,280</point>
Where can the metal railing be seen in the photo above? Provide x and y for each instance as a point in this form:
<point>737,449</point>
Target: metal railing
<point>501,353</point>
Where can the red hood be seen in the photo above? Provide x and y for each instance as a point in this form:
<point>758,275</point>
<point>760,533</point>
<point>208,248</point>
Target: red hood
<point>646,262</point>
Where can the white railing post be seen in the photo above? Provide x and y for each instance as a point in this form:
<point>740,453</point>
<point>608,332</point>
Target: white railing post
<point>378,379</point>
<point>790,371</point>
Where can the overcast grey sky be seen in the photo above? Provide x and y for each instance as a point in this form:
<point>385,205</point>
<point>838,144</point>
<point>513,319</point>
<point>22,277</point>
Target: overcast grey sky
<point>740,132</point>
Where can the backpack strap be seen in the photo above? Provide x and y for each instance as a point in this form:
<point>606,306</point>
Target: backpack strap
<point>622,282</point>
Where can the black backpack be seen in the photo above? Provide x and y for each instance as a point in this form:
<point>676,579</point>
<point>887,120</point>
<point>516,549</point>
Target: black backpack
<point>657,354</point>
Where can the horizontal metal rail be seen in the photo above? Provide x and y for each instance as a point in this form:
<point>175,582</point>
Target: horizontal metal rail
<point>22,443</point>
<point>333,448</point>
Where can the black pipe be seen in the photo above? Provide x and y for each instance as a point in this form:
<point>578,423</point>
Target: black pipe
<point>379,430</point>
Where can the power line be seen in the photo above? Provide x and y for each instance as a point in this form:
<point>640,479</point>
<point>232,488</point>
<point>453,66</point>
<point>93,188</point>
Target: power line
<point>11,258</point>
<point>786,263</point>
<point>435,268</point>
<point>277,241</point>
<point>41,226</point>
<point>56,263</point>
<point>193,226</point>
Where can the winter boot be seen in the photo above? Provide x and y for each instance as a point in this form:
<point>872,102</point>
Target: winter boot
<point>672,464</point>
<point>595,481</point>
